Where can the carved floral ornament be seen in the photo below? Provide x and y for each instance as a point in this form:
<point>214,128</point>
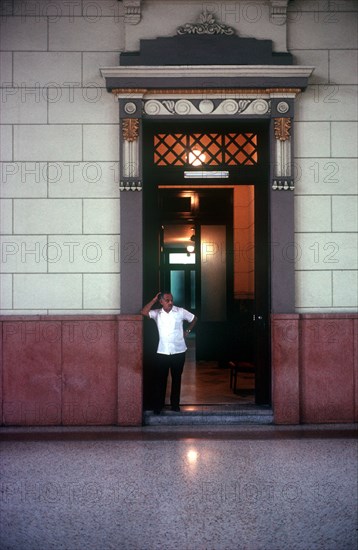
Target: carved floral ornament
<point>130,129</point>
<point>282,127</point>
<point>207,24</point>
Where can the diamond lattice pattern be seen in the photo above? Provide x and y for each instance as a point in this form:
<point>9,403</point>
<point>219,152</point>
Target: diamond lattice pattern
<point>205,149</point>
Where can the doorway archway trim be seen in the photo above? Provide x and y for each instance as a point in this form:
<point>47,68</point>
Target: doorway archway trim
<point>251,92</point>
<point>137,104</point>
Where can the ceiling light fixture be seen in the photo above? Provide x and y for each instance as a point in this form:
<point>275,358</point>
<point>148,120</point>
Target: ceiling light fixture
<point>206,174</point>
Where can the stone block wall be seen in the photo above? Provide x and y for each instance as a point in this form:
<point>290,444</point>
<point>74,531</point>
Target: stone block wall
<point>59,193</point>
<point>324,34</point>
<point>59,127</point>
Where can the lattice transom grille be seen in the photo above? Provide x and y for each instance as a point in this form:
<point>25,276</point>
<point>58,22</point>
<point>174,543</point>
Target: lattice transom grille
<point>205,149</point>
<point>241,149</point>
<point>170,149</point>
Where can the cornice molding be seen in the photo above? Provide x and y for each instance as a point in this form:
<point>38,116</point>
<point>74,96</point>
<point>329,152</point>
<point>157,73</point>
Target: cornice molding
<point>206,77</point>
<point>236,93</point>
<point>208,71</point>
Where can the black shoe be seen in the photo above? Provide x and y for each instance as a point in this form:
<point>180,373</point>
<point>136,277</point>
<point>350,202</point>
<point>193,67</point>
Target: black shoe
<point>176,409</point>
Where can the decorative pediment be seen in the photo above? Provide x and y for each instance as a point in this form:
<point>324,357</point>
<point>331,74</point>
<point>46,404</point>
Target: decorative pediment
<point>206,42</point>
<point>207,71</point>
<point>206,54</point>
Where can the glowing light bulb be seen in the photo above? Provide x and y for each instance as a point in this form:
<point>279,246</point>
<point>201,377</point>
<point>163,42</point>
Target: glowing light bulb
<point>196,157</point>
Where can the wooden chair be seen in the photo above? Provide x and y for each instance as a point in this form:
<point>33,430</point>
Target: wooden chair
<point>237,367</point>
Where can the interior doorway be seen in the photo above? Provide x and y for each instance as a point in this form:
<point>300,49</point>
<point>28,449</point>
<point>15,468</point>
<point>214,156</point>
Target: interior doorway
<point>207,243</point>
<point>207,261</point>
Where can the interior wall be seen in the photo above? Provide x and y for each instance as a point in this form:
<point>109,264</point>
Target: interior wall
<point>244,242</point>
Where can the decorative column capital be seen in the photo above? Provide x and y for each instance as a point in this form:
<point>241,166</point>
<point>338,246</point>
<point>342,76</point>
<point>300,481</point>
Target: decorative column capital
<point>130,129</point>
<point>282,127</point>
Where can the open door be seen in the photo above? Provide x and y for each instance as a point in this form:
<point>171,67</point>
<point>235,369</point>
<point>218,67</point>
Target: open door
<point>224,280</point>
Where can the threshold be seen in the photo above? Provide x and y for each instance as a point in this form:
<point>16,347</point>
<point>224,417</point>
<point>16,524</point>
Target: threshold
<point>204,415</point>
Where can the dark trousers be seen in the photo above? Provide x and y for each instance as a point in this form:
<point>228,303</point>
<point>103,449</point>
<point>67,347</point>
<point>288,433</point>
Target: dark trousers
<point>164,363</point>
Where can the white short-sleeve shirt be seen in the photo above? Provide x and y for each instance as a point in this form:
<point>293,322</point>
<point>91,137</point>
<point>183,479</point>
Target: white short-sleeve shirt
<point>170,328</point>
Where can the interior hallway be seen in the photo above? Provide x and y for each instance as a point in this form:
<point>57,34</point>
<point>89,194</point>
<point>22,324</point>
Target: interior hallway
<point>205,383</point>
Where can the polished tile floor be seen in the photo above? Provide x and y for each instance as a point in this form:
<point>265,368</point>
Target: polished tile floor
<point>204,383</point>
<point>272,488</point>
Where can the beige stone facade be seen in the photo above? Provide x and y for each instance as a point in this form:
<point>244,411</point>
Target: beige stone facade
<point>60,150</point>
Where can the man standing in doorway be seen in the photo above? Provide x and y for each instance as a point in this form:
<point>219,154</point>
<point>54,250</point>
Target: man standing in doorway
<point>171,348</point>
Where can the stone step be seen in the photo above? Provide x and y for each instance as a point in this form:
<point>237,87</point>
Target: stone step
<point>211,415</point>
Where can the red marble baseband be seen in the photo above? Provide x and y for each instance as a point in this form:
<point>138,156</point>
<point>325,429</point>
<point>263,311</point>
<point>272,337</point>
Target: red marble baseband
<point>130,374</point>
<point>1,372</point>
<point>285,379</point>
<point>314,368</point>
<point>74,370</point>
<point>65,370</point>
<point>355,376</point>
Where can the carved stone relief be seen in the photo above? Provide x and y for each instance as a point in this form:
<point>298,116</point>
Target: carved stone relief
<point>130,129</point>
<point>132,11</point>
<point>282,128</point>
<point>207,24</point>
<point>185,107</point>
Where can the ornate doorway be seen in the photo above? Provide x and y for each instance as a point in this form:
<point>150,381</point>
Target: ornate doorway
<point>222,212</point>
<point>250,84</point>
